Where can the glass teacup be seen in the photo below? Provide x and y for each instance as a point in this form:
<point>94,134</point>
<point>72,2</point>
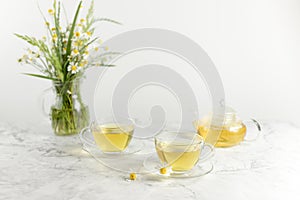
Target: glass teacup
<point>179,150</point>
<point>112,136</point>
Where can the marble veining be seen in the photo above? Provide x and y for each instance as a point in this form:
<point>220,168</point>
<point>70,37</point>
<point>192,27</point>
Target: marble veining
<point>35,164</point>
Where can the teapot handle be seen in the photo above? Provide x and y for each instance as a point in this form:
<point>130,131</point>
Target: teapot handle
<point>257,126</point>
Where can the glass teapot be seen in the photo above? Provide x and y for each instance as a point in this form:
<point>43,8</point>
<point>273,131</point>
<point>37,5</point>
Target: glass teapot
<point>232,131</point>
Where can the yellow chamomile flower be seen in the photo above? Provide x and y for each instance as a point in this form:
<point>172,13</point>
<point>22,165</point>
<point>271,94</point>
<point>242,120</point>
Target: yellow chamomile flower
<point>51,12</point>
<point>89,33</point>
<point>25,57</point>
<point>82,20</point>
<point>54,37</point>
<point>37,54</point>
<point>96,48</point>
<point>163,170</point>
<point>83,63</point>
<point>106,48</point>
<point>77,43</point>
<point>47,24</point>
<point>132,176</point>
<point>77,34</point>
<point>31,60</point>
<point>75,52</point>
<point>73,68</point>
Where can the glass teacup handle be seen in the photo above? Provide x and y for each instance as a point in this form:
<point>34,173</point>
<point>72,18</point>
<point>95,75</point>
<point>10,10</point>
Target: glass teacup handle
<point>250,123</point>
<point>84,139</point>
<point>210,152</point>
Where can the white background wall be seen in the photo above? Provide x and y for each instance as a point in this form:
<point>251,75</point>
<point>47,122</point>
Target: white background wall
<point>254,44</point>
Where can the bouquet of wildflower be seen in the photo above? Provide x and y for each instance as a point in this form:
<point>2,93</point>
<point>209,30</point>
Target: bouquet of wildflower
<point>62,56</point>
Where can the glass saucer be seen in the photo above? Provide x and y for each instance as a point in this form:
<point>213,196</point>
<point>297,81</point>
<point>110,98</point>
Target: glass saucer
<point>90,145</point>
<point>153,165</point>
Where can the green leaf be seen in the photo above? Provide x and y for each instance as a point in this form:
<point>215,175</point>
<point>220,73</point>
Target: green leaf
<point>102,65</point>
<point>90,11</point>
<point>72,29</point>
<point>30,40</point>
<point>109,53</point>
<point>41,76</point>
<point>58,47</point>
<point>89,43</point>
<point>107,20</point>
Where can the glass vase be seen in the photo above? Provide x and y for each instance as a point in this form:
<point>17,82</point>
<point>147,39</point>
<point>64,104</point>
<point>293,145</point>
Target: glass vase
<point>68,114</point>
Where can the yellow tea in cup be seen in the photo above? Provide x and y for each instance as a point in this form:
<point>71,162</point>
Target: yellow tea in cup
<point>113,137</point>
<point>179,150</point>
<point>178,159</point>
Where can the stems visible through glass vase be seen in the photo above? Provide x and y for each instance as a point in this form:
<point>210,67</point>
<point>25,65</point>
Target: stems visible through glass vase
<point>69,114</point>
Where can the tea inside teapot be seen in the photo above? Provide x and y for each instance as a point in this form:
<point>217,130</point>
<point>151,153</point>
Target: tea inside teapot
<point>231,132</point>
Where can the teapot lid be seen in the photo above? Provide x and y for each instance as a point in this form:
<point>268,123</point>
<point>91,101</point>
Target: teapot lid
<point>227,117</point>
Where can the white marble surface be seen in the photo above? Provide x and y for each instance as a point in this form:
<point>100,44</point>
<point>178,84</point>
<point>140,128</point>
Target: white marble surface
<point>39,165</point>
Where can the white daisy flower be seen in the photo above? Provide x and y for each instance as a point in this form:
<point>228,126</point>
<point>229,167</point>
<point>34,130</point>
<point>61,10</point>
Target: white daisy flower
<point>86,36</point>
<point>94,48</point>
<point>83,63</point>
<point>75,52</point>
<point>85,54</point>
<point>25,57</point>
<point>73,68</point>
<point>77,34</point>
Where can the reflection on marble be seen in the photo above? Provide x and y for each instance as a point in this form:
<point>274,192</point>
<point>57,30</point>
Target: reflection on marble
<point>38,165</point>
